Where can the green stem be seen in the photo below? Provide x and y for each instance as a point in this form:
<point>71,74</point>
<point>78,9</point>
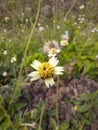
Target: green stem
<point>57,98</point>
<point>25,53</point>
<point>68,12</point>
<point>27,124</point>
<point>41,117</point>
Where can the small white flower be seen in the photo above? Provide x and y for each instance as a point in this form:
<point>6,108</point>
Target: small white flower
<point>39,24</point>
<point>81,19</point>
<point>58,27</point>
<point>65,36</point>
<point>13,59</point>
<point>64,39</point>
<point>5,30</point>
<point>46,70</point>
<point>6,19</point>
<point>22,30</point>
<point>81,7</point>
<point>26,20</point>
<point>94,30</point>
<point>64,43</point>
<point>53,52</point>
<point>41,28</point>
<point>5,52</point>
<point>4,74</point>
<point>49,45</point>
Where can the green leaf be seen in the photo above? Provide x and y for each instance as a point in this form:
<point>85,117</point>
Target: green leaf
<point>86,96</point>
<point>84,108</point>
<point>64,126</point>
<point>5,121</point>
<point>92,117</point>
<point>74,122</point>
<point>53,123</point>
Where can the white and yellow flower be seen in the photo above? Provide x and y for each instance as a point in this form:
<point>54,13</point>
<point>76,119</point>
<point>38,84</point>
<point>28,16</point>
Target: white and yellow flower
<point>49,45</point>
<point>46,70</point>
<point>64,39</point>
<point>64,42</point>
<point>53,52</point>
<point>13,59</point>
<point>81,7</point>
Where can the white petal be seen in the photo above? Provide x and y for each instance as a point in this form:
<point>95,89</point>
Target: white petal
<point>50,55</point>
<point>49,81</point>
<point>36,64</point>
<point>58,50</point>
<point>34,75</point>
<point>58,70</point>
<point>53,61</point>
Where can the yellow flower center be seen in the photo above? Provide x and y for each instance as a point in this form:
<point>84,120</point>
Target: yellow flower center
<point>53,51</point>
<point>45,70</point>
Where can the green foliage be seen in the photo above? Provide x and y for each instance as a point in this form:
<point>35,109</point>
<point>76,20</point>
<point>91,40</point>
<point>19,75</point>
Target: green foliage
<point>80,55</point>
<point>5,121</point>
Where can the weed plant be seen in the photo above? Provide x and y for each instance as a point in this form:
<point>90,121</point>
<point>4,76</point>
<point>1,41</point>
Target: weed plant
<point>25,28</point>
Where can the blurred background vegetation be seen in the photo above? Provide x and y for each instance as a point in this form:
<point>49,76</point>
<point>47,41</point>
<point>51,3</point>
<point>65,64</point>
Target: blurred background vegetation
<point>79,57</point>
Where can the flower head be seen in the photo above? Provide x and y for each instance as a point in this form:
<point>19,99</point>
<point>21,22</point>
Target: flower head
<point>64,39</point>
<point>53,52</point>
<point>49,45</point>
<point>13,59</point>
<point>46,70</point>
<point>52,48</point>
<point>4,74</point>
<point>41,28</point>
<point>5,52</point>
<point>81,7</point>
<point>6,19</point>
<point>64,43</point>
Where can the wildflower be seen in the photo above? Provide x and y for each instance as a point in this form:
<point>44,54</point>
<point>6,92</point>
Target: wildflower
<point>46,70</point>
<point>75,23</point>
<point>41,28</point>
<point>39,24</point>
<point>13,59</point>
<point>81,7</point>
<point>6,19</point>
<point>22,30</point>
<point>75,108</point>
<point>64,43</point>
<point>58,27</point>
<point>4,74</point>
<point>5,30</point>
<point>53,52</point>
<point>94,30</point>
<point>49,45</point>
<point>81,19</point>
<point>26,20</point>
<point>5,52</point>
<point>64,39</point>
